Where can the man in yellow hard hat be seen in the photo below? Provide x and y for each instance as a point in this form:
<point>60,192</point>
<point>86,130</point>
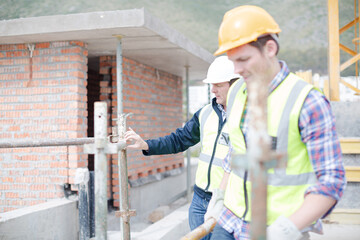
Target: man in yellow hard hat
<point>207,126</point>
<point>300,123</point>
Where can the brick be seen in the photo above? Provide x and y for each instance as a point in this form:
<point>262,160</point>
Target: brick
<point>11,195</point>
<point>59,83</point>
<point>42,45</point>
<point>7,179</point>
<point>37,187</point>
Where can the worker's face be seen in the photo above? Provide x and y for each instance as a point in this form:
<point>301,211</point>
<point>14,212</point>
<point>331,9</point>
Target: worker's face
<point>250,62</point>
<point>220,90</point>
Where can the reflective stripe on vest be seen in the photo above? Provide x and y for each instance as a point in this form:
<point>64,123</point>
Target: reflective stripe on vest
<point>286,187</point>
<point>210,159</point>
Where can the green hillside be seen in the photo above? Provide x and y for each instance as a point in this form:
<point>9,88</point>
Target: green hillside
<point>303,22</point>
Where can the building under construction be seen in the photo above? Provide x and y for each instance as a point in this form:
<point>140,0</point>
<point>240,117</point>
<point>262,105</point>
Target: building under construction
<point>70,86</point>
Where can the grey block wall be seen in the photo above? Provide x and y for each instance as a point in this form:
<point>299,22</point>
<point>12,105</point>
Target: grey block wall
<point>347,116</point>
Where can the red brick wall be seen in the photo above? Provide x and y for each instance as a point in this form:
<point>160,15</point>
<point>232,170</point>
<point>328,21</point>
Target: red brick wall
<point>41,97</point>
<point>155,99</point>
<point>46,97</point>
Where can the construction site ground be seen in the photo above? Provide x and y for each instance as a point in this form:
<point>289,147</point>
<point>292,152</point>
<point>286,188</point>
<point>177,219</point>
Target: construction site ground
<point>175,225</point>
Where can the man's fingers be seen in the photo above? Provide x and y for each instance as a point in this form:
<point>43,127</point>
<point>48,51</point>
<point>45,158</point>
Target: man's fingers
<point>130,147</point>
<point>130,138</point>
<point>129,134</point>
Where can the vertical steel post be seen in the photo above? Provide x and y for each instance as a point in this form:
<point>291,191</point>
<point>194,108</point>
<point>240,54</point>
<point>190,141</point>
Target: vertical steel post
<point>122,157</point>
<point>101,208</point>
<point>259,152</point>
<point>119,73</point>
<point>188,157</point>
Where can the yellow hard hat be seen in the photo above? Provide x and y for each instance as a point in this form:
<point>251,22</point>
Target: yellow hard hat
<point>244,24</point>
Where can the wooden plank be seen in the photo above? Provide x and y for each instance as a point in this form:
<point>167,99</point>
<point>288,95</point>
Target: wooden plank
<point>349,86</point>
<point>349,62</point>
<point>348,26</point>
<point>326,88</point>
<point>348,50</point>
<point>352,173</point>
<point>344,216</point>
<point>334,49</point>
<point>305,75</point>
<point>350,145</point>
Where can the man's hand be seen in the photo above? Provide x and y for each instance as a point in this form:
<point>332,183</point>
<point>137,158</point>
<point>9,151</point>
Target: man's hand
<point>215,205</point>
<point>135,141</point>
<point>283,229</point>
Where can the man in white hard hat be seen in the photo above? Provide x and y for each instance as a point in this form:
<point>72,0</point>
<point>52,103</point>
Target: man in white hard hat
<point>208,127</point>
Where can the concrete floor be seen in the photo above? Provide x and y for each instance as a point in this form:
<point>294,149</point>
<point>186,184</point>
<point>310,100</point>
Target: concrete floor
<point>175,225</point>
<point>338,232</point>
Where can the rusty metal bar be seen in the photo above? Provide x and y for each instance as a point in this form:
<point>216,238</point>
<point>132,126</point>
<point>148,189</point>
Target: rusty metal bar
<point>124,212</point>
<point>45,142</point>
<point>201,231</point>
<point>259,153</point>
<point>101,167</point>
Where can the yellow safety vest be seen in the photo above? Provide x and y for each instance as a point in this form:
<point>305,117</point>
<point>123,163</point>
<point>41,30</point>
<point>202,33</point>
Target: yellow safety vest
<point>214,147</point>
<point>286,187</point>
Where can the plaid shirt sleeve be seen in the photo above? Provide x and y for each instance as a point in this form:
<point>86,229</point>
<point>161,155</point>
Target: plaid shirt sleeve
<point>317,128</point>
<point>226,163</point>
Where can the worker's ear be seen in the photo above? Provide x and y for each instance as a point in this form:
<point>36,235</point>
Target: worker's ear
<point>270,48</point>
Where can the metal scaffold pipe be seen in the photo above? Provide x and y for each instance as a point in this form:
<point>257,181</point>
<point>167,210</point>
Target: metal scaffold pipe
<point>45,142</point>
<point>124,212</point>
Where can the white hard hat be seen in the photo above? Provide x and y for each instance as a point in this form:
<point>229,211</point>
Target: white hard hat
<point>221,70</point>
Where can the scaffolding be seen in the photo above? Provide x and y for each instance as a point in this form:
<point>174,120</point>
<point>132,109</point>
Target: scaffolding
<point>334,61</point>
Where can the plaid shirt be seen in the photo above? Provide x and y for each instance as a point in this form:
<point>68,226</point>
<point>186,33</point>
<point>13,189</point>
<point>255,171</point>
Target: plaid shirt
<point>317,129</point>
<point>222,110</point>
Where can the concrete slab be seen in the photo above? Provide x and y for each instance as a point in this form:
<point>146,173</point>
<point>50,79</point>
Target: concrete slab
<point>57,219</point>
<point>173,226</point>
<point>145,38</point>
<point>337,232</point>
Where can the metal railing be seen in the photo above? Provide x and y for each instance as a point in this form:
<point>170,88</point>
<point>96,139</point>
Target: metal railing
<point>100,145</point>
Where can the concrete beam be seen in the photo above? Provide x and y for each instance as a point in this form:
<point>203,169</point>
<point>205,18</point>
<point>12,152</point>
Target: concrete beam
<point>145,38</point>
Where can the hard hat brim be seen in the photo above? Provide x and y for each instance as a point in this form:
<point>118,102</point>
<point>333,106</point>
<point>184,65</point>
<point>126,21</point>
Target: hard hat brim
<point>214,81</point>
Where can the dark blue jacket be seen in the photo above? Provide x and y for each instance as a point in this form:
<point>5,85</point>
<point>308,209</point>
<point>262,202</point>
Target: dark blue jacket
<point>182,138</point>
